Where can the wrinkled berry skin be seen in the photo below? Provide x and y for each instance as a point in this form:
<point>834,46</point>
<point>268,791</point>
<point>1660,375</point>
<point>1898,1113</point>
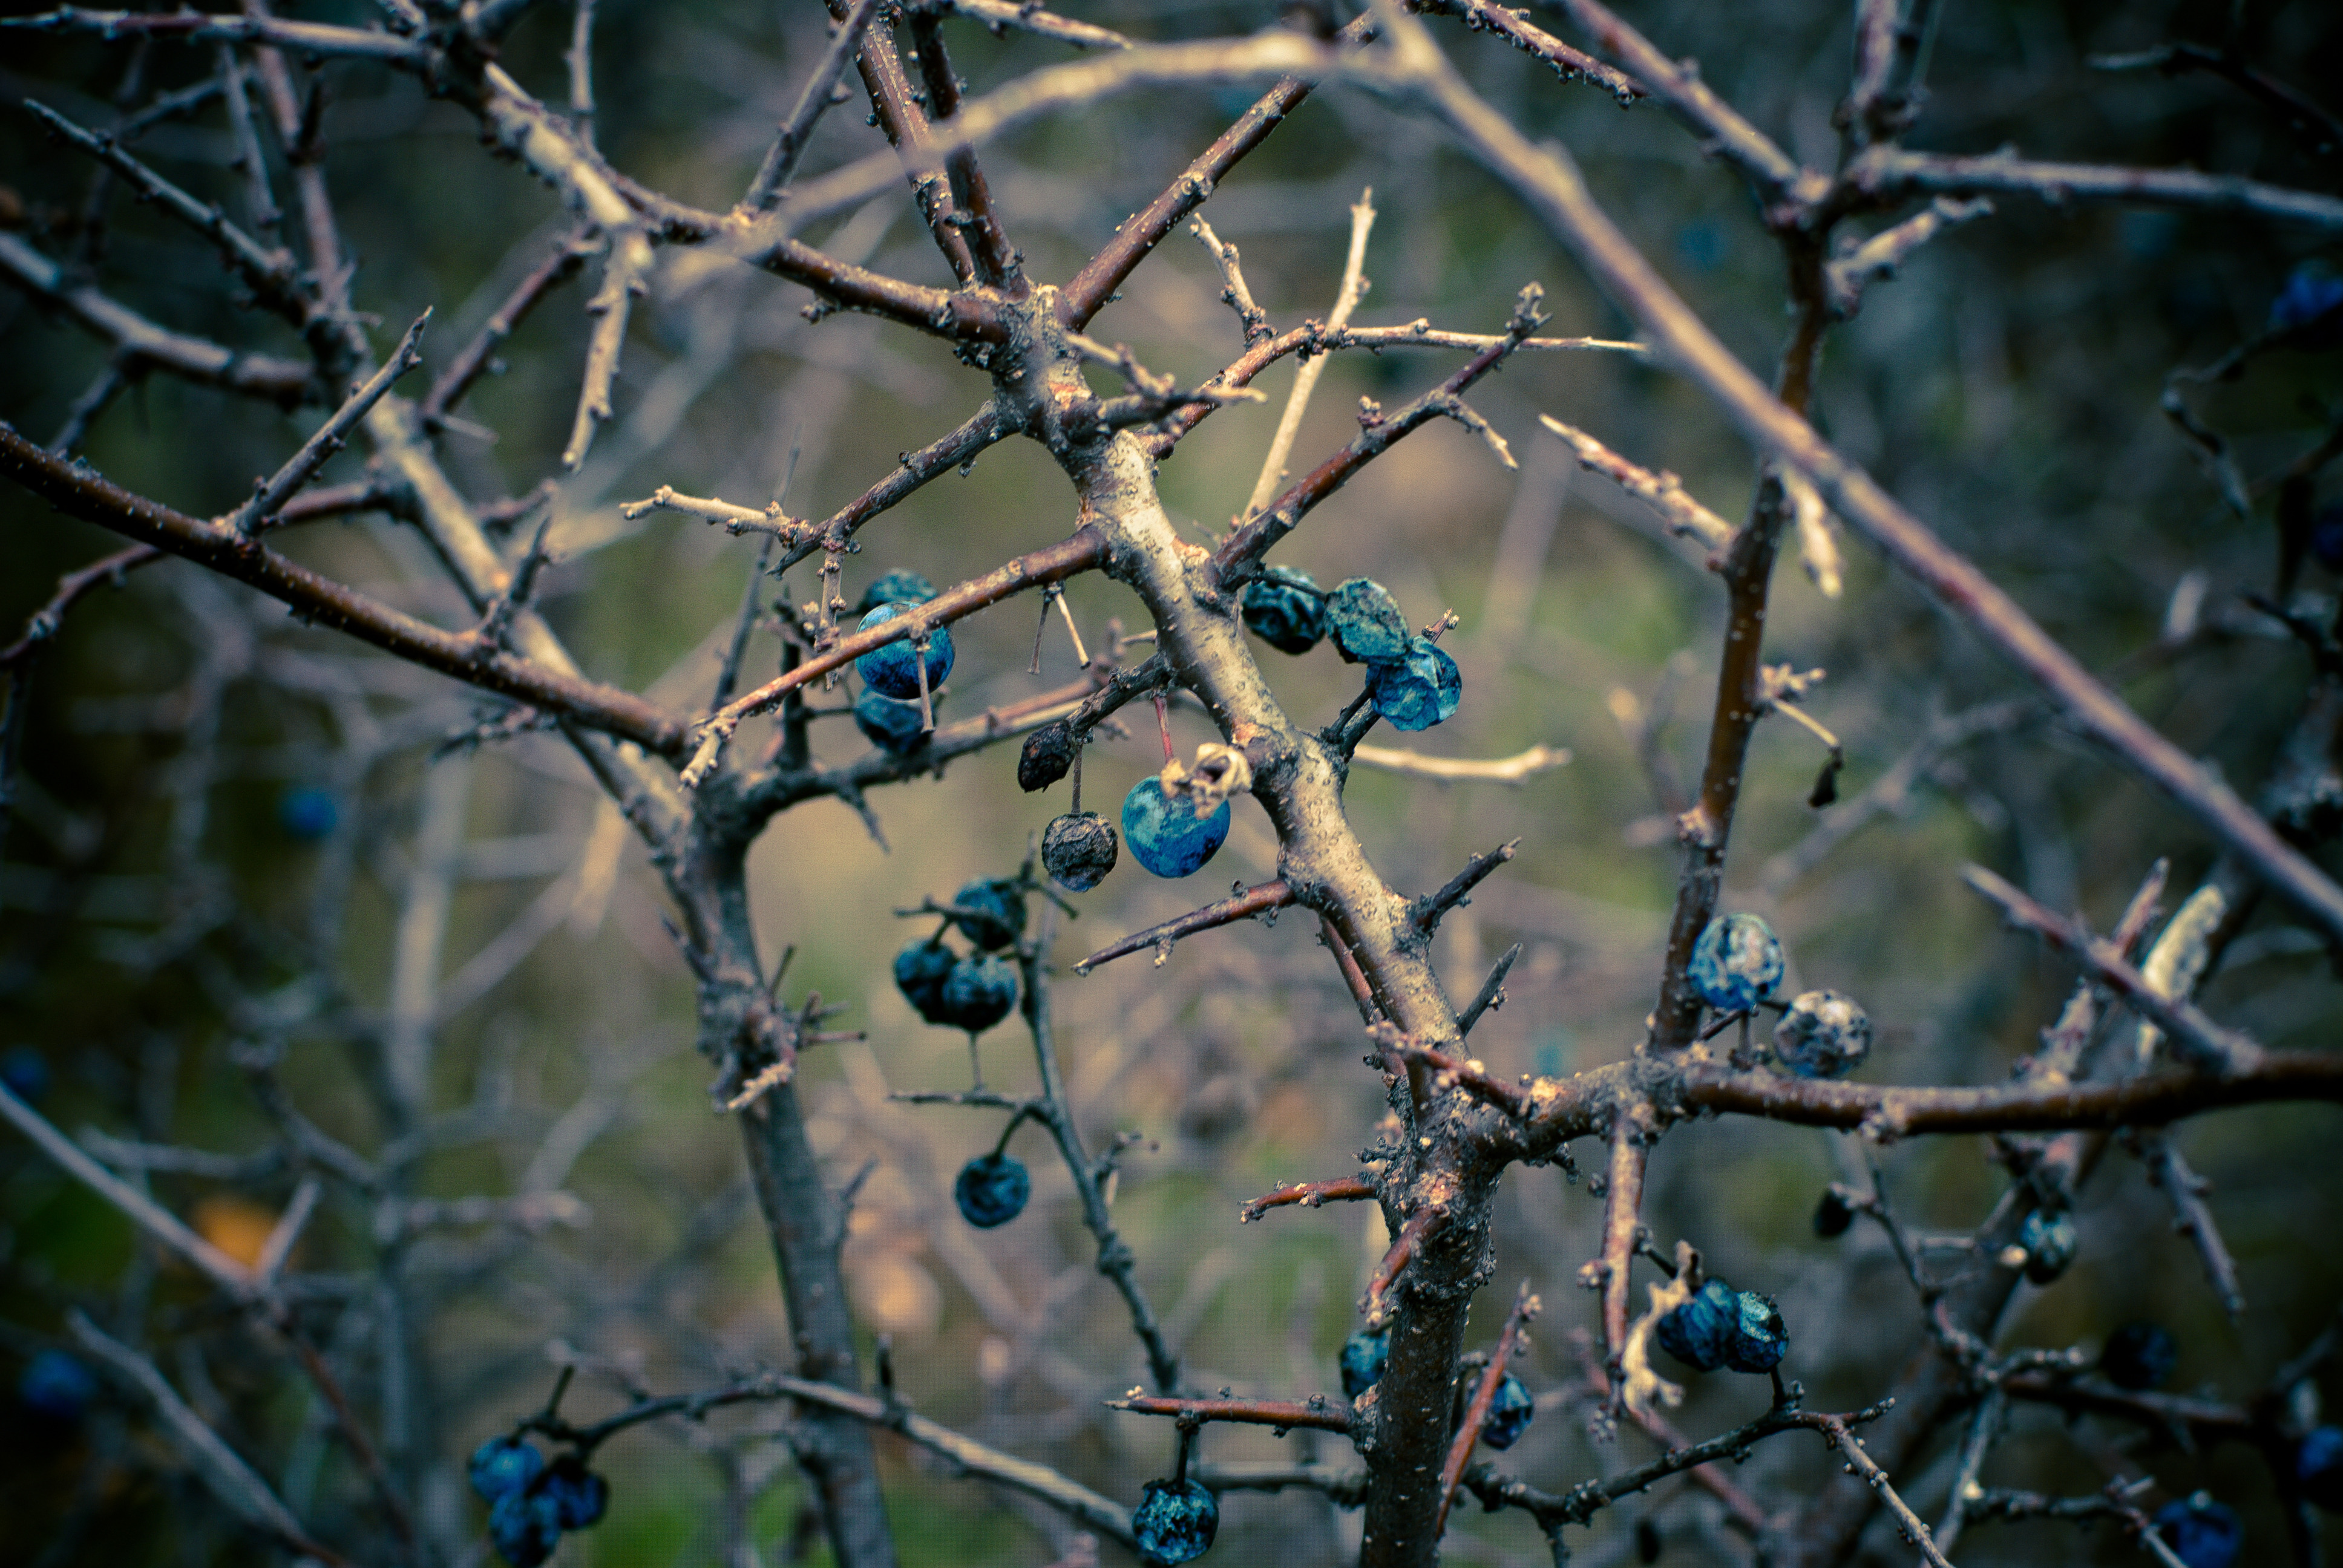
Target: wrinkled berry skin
<point>894,670</point>
<point>1831,1216</point>
<point>2202,1534</point>
<point>992,1189</point>
<point>1510,1413</point>
<point>1365,622</point>
<point>1364,1357</point>
<point>997,916</point>
<point>56,1385</point>
<point>1079,849</point>
<point>1165,832</point>
<point>1048,753</point>
<point>2312,294</point>
<point>1420,690</point>
<point>309,814</point>
<point>921,971</point>
<point>503,1465</point>
<point>1699,1333</point>
<point>1174,1521</point>
<point>1285,609</point>
<point>1759,1339</point>
<point>979,992</point>
<point>1825,1034</point>
<point>525,1527</point>
<point>897,587</point>
<point>1736,962</point>
<point>893,727</point>
<point>25,1071</point>
<point>2318,1467</point>
<point>2139,1356</point>
<point>2048,1238</point>
<point>580,1496</point>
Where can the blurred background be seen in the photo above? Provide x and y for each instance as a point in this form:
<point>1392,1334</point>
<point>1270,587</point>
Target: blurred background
<point>235,867</point>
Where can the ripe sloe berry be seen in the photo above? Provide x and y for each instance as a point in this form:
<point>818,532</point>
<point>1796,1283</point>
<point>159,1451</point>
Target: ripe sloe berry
<point>503,1465</point>
<point>1699,1331</point>
<point>309,814</point>
<point>1759,1339</point>
<point>996,916</point>
<point>1285,609</point>
<point>921,971</point>
<point>1048,752</point>
<point>1510,1413</point>
<point>2048,1237</point>
<point>897,587</point>
<point>1736,962</point>
<point>979,992</point>
<point>894,670</point>
<point>1175,1521</point>
<point>1831,1216</point>
<point>1166,835</point>
<point>1079,849</point>
<point>1825,1034</point>
<point>1364,1356</point>
<point>992,1189</point>
<point>1366,623</point>
<point>525,1527</point>
<point>2202,1534</point>
<point>1420,690</point>
<point>2139,1355</point>
<point>2318,1467</point>
<point>25,1071</point>
<point>580,1497</point>
<point>892,726</point>
<point>56,1385</point>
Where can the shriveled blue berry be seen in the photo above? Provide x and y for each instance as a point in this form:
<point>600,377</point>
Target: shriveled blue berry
<point>503,1465</point>
<point>309,814</point>
<point>1175,1521</point>
<point>1365,623</point>
<point>1736,963</point>
<point>1418,690</point>
<point>897,587</point>
<point>1759,1339</point>
<point>580,1497</point>
<point>921,971</point>
<point>1165,832</point>
<point>25,1071</point>
<point>1364,1356</point>
<point>2318,1467</point>
<point>1285,609</point>
<point>56,1385</point>
<point>979,992</point>
<point>524,1527</point>
<point>994,911</point>
<point>892,726</point>
<point>1825,1034</point>
<point>2312,294</point>
<point>992,1189</point>
<point>1832,1215</point>
<point>2202,1534</point>
<point>893,670</point>
<point>1699,1331</point>
<point>2139,1355</point>
<point>2048,1237</point>
<point>1079,849</point>
<point>1510,1413</point>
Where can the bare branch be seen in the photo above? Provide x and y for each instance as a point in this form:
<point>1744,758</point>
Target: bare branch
<point>1886,174</point>
<point>1662,491</point>
<point>1308,1195</point>
<point>1318,1412</point>
<point>269,497</point>
<point>1244,904</point>
<point>1513,772</point>
<point>1354,288</point>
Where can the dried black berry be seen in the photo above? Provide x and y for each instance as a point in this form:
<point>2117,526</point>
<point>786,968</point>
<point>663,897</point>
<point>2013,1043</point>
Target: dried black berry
<point>1049,753</point>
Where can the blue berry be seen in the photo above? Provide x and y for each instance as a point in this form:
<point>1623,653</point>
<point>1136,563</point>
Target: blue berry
<point>2202,1534</point>
<point>1736,962</point>
<point>979,992</point>
<point>921,971</point>
<point>580,1497</point>
<point>56,1385</point>
<point>897,587</point>
<point>894,670</point>
<point>25,1071</point>
<point>1700,1332</point>
<point>992,1189</point>
<point>1285,609</point>
<point>2139,1355</point>
<point>889,725</point>
<point>1421,689</point>
<point>996,912</point>
<point>1175,1521</point>
<point>2312,294</point>
<point>309,814</point>
<point>1364,1356</point>
<point>504,1464</point>
<point>1366,623</point>
<point>1166,835</point>
<point>525,1527</point>
<point>1832,1215</point>
<point>1759,1339</point>
<point>2318,1467</point>
<point>1825,1034</point>
<point>1079,849</point>
<point>2048,1237</point>
<point>2326,537</point>
<point>1510,1413</point>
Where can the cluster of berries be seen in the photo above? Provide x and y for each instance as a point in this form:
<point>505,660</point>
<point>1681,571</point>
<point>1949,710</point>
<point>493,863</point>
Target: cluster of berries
<point>887,712</point>
<point>1080,848</point>
<point>1409,678</point>
<point>1366,1354</point>
<point>1737,963</point>
<point>1723,1327</point>
<point>970,991</point>
<point>530,1502</point>
<point>2201,1532</point>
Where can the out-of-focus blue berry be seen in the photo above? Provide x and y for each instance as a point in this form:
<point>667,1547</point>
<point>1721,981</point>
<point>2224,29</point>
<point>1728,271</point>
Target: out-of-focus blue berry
<point>1420,690</point>
<point>2312,293</point>
<point>2139,1355</point>
<point>2326,537</point>
<point>1366,623</point>
<point>580,1497</point>
<point>524,1527</point>
<point>1510,1413</point>
<point>1736,963</point>
<point>1285,609</point>
<point>1832,1215</point>
<point>992,1189</point>
<point>1079,848</point>
<point>996,912</point>
<point>25,1071</point>
<point>979,992</point>
<point>503,1465</point>
<point>309,814</point>
<point>2318,1467</point>
<point>1175,1521</point>
<point>920,971</point>
<point>2202,1534</point>
<point>1759,1338</point>
<point>1165,832</point>
<point>894,670</point>
<point>1699,1333</point>
<point>2048,1237</point>
<point>1364,1356</point>
<point>897,587</point>
<point>1825,1034</point>
<point>56,1385</point>
<point>889,725</point>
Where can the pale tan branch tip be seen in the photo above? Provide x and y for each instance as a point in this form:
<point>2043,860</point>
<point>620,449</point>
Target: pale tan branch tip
<point>1515,770</point>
